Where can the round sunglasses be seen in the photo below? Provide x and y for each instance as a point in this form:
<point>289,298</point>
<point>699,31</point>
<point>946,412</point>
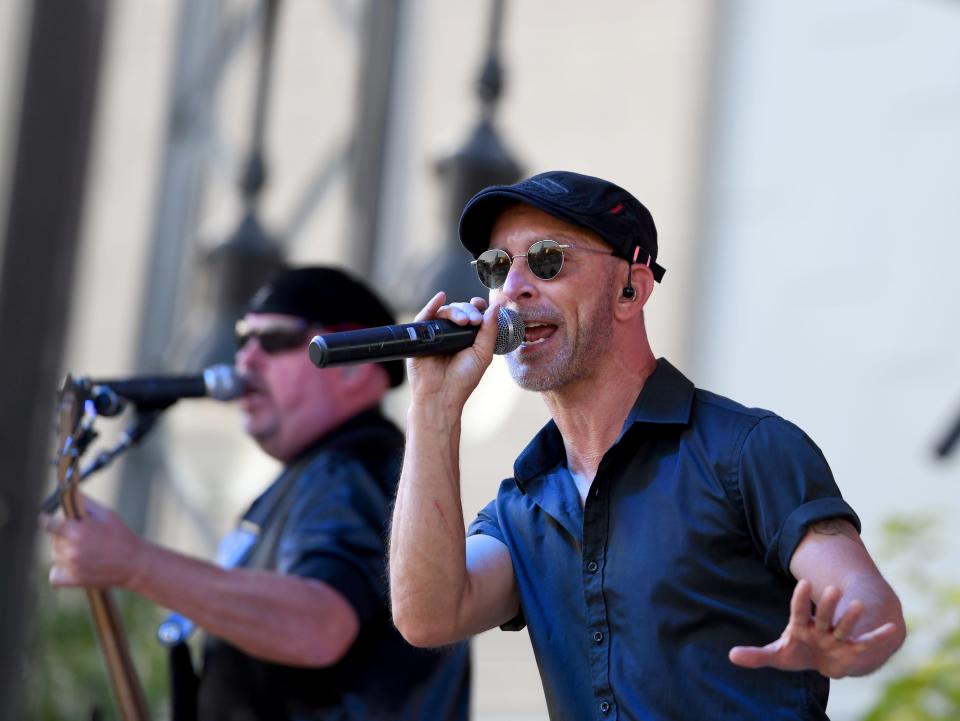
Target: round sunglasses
<point>544,259</point>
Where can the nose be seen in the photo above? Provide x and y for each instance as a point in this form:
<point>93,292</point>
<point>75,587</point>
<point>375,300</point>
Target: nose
<point>247,354</point>
<point>520,282</point>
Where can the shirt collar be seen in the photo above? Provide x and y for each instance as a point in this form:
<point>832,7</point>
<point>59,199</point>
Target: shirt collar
<point>665,399</point>
<point>361,423</point>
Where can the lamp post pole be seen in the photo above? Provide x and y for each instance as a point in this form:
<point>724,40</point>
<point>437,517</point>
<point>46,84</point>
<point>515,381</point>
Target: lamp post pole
<point>483,160</point>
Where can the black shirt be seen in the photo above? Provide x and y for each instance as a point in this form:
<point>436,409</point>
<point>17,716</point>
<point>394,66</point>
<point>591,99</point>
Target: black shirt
<point>325,517</point>
<point>680,552</point>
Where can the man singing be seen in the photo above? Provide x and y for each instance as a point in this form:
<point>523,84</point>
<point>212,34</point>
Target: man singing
<point>673,554</point>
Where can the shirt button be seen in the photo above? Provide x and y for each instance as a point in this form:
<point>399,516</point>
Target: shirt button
<point>598,637</point>
<point>604,707</point>
<point>593,566</point>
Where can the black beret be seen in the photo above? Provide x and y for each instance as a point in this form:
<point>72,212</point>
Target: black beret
<point>328,297</point>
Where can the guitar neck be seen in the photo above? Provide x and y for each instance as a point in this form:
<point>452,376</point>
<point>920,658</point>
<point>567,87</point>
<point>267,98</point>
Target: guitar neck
<point>127,690</point>
<point>113,643</point>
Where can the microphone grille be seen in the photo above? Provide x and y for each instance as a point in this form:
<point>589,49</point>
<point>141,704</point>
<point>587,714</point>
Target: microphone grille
<point>223,383</point>
<point>510,331</point>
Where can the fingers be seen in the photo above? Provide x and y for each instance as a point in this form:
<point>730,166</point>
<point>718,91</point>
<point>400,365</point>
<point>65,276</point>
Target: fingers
<point>460,312</point>
<point>60,529</point>
<point>844,627</point>
<point>800,605</point>
<point>67,527</point>
<point>62,532</point>
<point>877,634</point>
<point>754,656</point>
<point>487,337</point>
<point>815,640</point>
<point>51,524</point>
<point>827,609</point>
<point>60,577</point>
<point>826,621</point>
<point>430,309</point>
<point>93,509</point>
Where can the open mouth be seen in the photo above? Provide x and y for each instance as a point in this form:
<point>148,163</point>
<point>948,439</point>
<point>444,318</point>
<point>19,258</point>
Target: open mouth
<point>253,387</point>
<point>535,333</point>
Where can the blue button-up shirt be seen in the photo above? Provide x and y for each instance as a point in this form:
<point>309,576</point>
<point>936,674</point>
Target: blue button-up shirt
<point>680,552</point>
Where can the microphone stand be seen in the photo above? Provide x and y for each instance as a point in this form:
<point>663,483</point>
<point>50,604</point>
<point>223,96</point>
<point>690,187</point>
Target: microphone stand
<point>949,442</point>
<point>143,422</point>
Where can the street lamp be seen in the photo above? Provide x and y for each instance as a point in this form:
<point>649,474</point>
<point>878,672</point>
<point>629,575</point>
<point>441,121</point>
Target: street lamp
<point>482,161</point>
<point>248,258</point>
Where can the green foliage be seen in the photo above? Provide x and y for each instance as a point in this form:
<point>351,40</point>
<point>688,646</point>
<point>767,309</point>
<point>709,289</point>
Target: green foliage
<point>927,689</point>
<point>66,677</point>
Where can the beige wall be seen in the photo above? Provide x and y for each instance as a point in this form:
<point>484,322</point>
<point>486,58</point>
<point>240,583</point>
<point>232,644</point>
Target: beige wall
<point>829,245</point>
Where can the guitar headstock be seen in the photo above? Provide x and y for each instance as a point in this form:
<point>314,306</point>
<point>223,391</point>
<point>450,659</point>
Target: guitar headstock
<point>74,433</point>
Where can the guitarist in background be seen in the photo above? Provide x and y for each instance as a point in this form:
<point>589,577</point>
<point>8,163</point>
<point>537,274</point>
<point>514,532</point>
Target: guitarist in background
<point>298,626</point>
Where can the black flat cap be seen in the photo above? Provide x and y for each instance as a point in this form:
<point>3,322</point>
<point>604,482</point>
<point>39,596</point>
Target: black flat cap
<point>608,210</point>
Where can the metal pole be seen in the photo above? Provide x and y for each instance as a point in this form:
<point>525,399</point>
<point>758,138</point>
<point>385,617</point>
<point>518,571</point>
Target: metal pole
<point>179,190</point>
<point>372,119</point>
<point>483,160</point>
<point>45,208</point>
<point>248,258</point>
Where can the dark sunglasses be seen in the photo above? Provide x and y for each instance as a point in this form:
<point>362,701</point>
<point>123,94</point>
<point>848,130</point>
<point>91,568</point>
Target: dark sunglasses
<point>544,259</point>
<point>272,339</point>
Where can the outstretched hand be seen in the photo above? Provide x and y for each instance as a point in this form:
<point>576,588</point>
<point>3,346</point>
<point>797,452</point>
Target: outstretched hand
<point>819,641</point>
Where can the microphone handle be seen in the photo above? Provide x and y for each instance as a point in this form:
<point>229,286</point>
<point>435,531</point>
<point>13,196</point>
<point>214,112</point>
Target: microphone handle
<point>392,342</point>
<point>159,388</point>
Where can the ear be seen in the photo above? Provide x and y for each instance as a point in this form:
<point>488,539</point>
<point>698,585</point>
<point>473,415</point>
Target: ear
<point>352,376</point>
<point>641,280</point>
<point>359,380</point>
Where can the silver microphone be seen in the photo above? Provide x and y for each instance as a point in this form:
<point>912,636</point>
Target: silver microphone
<point>219,382</point>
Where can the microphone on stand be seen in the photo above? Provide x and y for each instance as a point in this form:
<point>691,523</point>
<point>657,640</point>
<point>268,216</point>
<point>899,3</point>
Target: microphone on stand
<point>150,395</point>
<point>219,382</point>
<point>410,340</point>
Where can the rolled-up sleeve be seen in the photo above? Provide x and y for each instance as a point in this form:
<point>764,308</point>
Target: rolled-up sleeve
<point>786,485</point>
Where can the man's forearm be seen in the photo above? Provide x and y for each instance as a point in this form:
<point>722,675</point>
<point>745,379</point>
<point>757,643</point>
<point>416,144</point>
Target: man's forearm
<point>428,574</point>
<point>833,554</point>
<point>285,619</point>
<point>880,606</point>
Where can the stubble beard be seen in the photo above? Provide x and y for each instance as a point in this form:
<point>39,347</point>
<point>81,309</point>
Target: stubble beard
<point>262,421</point>
<point>575,359</point>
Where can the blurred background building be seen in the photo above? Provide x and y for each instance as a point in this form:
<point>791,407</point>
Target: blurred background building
<point>801,159</point>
